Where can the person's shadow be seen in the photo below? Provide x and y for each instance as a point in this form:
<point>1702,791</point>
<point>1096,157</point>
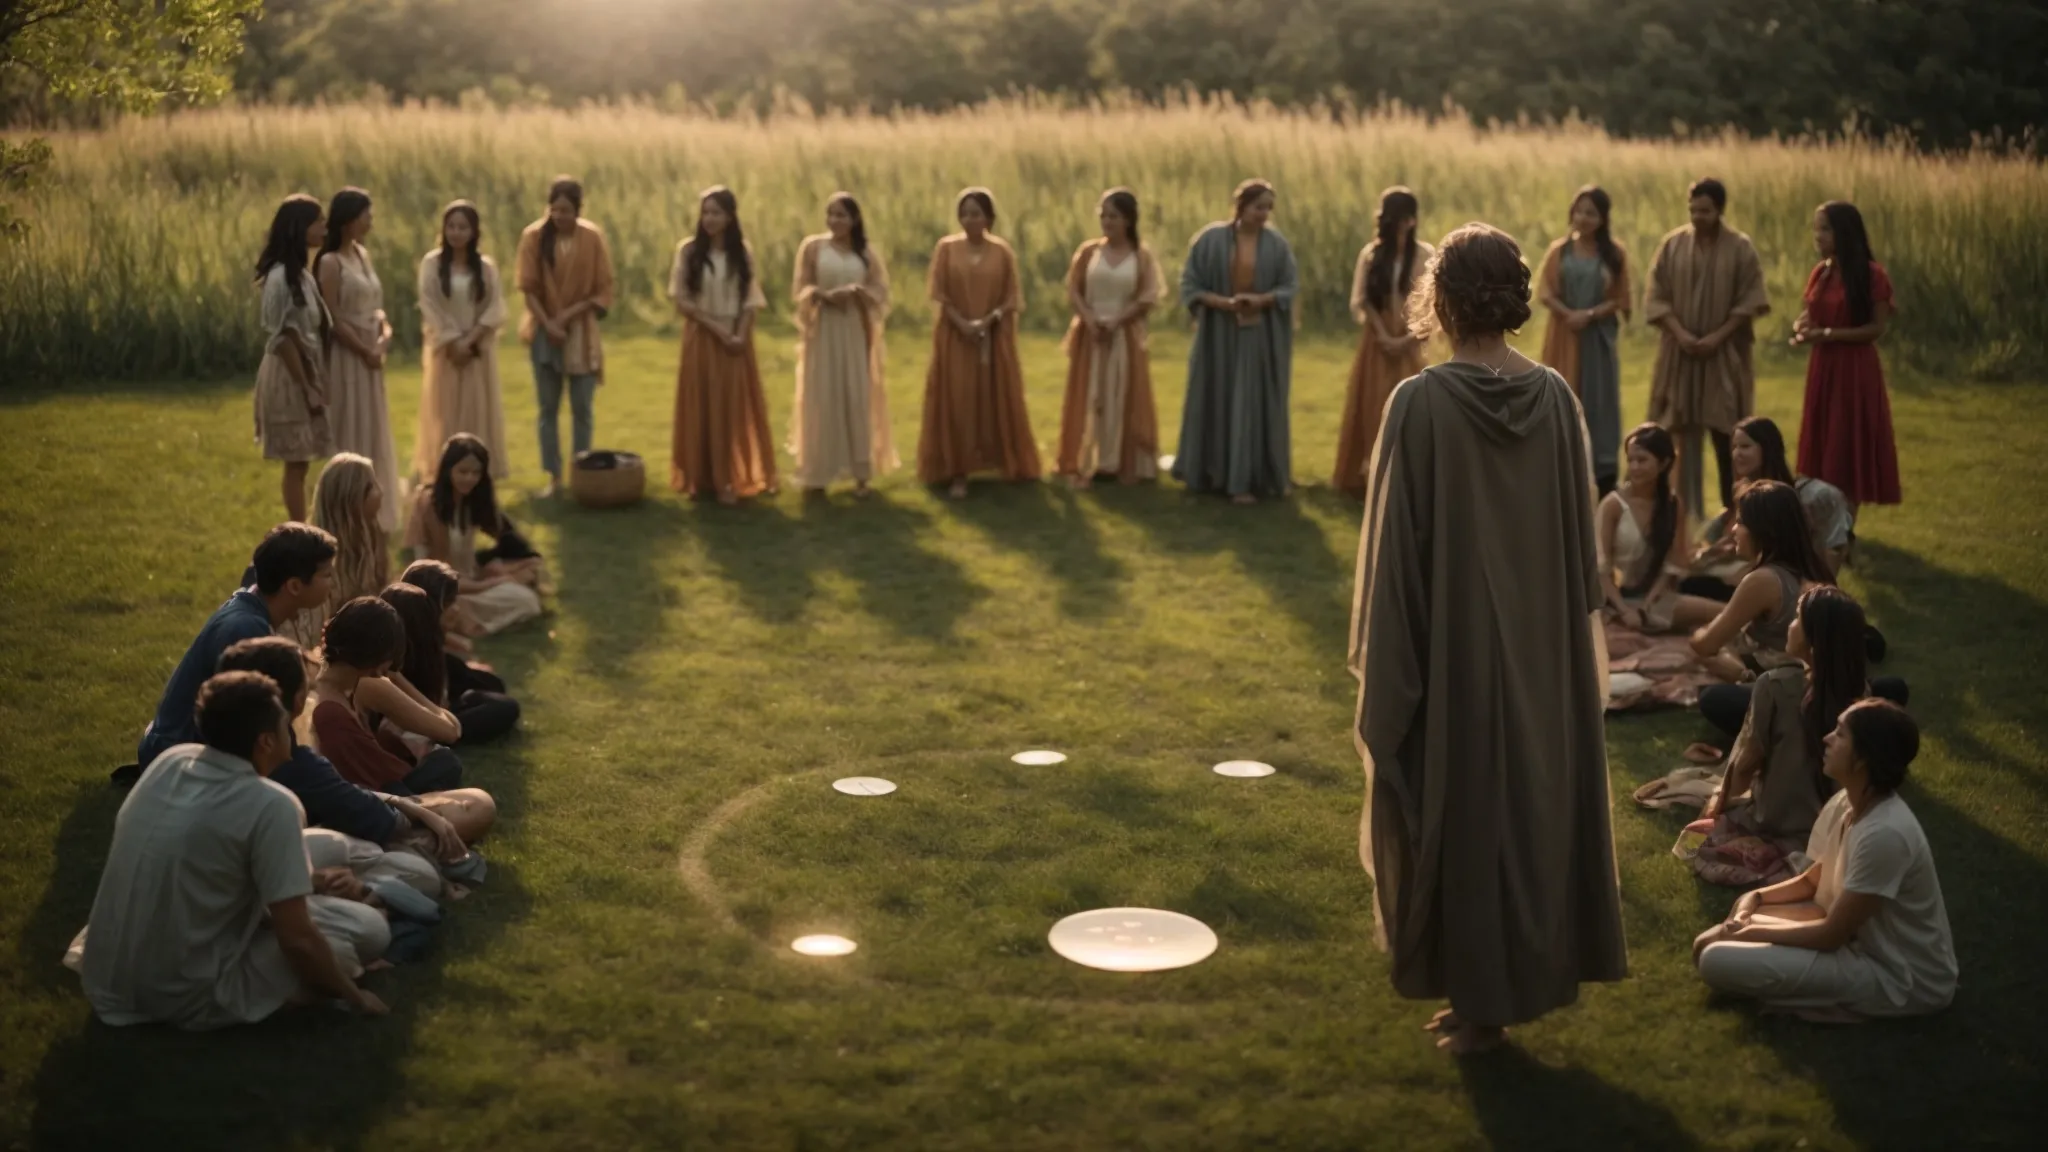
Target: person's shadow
<point>306,1077</point>
<point>1523,1103</point>
<point>1048,521</point>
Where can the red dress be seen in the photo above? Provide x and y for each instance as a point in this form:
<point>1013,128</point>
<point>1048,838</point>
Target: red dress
<point>1845,436</point>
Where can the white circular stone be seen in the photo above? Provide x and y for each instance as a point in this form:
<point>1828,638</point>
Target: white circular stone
<point>1038,757</point>
<point>863,786</point>
<point>1166,462</point>
<point>823,945</point>
<point>1243,768</point>
<point>1132,939</point>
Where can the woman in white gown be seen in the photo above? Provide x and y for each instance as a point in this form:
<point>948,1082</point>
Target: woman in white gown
<point>462,308</point>
<point>841,424</point>
<point>1108,425</point>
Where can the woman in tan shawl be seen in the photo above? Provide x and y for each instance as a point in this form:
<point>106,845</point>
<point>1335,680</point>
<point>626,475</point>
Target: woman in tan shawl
<point>839,426</point>
<point>1480,679</point>
<point>462,307</point>
<point>1108,425</point>
<point>565,272</point>
<point>720,442</point>
<point>1388,352</point>
<point>974,414</point>
<point>1706,289</point>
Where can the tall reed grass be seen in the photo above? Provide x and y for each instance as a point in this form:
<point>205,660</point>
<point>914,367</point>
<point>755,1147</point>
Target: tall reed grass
<point>144,237</point>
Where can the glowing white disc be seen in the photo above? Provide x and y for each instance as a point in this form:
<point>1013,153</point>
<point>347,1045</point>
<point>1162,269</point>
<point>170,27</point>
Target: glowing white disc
<point>1039,757</point>
<point>1244,768</point>
<point>1166,462</point>
<point>1132,939</point>
<point>863,786</point>
<point>823,945</point>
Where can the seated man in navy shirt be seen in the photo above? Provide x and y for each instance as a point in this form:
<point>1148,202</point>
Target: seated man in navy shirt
<point>294,571</point>
<point>455,818</point>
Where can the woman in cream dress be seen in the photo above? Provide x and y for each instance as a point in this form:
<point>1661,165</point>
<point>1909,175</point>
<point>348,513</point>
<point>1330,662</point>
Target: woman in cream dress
<point>1108,425</point>
<point>462,308</point>
<point>291,383</point>
<point>355,360</point>
<point>840,426</point>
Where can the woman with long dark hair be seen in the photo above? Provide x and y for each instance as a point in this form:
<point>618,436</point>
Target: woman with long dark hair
<point>1641,529</point>
<point>565,273</point>
<point>839,425</point>
<point>480,716</point>
<point>1585,287</point>
<point>497,591</point>
<point>1863,931</point>
<point>720,445</point>
<point>974,414</point>
<point>1845,436</point>
<point>291,384</point>
<point>462,307</point>
<point>359,686</point>
<point>362,335</point>
<point>1108,424</point>
<point>1747,635</point>
<point>1757,451</point>
<point>1388,350</point>
<point>1239,283</point>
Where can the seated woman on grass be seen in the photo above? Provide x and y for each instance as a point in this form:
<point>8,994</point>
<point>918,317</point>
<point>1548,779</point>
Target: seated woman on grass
<point>501,588</point>
<point>1777,758</point>
<point>1863,931</point>
<point>1641,535</point>
<point>359,690</point>
<point>346,504</point>
<point>480,715</point>
<point>1757,453</point>
<point>1747,635</point>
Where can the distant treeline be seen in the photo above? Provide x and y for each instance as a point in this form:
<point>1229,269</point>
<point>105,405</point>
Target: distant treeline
<point>1943,70</point>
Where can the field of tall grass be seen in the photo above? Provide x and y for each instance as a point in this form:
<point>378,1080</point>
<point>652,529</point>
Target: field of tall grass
<point>144,236</point>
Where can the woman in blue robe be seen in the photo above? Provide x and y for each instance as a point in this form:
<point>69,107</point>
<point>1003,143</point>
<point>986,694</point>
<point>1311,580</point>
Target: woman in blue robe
<point>1239,284</point>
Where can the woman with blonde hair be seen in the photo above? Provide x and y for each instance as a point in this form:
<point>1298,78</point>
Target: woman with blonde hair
<point>348,502</point>
<point>839,425</point>
<point>1108,426</point>
<point>462,307</point>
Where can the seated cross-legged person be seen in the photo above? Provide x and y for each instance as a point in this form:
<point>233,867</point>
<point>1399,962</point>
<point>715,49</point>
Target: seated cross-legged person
<point>1640,529</point>
<point>1746,636</point>
<point>1863,931</point>
<point>1758,453</point>
<point>451,820</point>
<point>293,571</point>
<point>464,675</point>
<point>206,914</point>
<point>483,715</point>
<point>354,696</point>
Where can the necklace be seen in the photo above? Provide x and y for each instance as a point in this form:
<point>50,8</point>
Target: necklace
<point>1507,353</point>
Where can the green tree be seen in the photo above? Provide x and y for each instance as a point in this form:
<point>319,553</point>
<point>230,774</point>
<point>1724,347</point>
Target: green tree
<point>129,54</point>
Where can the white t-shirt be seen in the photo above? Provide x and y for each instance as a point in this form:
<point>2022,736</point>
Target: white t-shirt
<point>1885,854</point>
<point>202,847</point>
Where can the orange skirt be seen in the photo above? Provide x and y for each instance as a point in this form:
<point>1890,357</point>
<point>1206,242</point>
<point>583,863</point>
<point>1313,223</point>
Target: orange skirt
<point>1374,376</point>
<point>974,414</point>
<point>721,435</point>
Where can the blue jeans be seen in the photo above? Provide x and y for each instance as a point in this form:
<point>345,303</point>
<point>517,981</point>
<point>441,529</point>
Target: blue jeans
<point>547,386</point>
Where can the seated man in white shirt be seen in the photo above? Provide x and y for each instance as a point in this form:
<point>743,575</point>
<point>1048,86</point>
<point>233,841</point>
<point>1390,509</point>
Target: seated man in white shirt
<point>1863,931</point>
<point>206,915</point>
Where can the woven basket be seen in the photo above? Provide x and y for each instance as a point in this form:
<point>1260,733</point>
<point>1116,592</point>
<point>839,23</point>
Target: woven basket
<point>614,487</point>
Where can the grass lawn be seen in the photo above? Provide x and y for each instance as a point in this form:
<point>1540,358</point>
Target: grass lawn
<point>623,979</point>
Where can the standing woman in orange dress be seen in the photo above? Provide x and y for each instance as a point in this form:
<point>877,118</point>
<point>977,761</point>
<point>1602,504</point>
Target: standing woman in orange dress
<point>1845,436</point>
<point>1388,350</point>
<point>974,414</point>
<point>721,443</point>
<point>1108,426</point>
<point>1584,285</point>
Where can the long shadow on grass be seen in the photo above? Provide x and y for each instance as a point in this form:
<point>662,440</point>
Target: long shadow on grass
<point>1050,522</point>
<point>1275,541</point>
<point>304,1078</point>
<point>608,569</point>
<point>772,560</point>
<point>1523,1103</point>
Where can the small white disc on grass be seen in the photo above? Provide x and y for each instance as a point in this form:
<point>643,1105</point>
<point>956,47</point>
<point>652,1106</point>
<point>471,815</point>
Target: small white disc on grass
<point>1166,462</point>
<point>863,786</point>
<point>1132,939</point>
<point>1039,757</point>
<point>823,945</point>
<point>1244,768</point>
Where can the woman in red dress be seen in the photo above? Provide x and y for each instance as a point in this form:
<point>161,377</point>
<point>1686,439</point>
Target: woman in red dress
<point>1845,437</point>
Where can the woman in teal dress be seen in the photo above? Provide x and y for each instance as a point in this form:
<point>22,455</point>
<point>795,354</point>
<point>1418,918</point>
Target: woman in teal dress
<point>1585,287</point>
<point>1239,284</point>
